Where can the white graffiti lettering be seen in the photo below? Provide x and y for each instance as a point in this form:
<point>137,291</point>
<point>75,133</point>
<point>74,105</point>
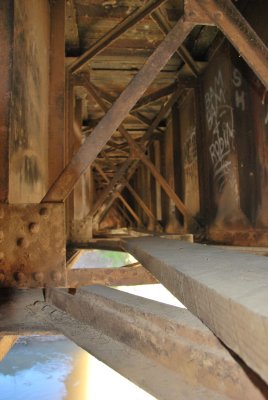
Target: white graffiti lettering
<point>220,123</point>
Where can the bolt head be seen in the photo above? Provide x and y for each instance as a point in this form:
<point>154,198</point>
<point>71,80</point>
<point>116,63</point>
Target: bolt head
<point>56,276</point>
<point>22,242</point>
<point>43,212</point>
<point>34,227</point>
<point>19,276</point>
<point>38,276</point>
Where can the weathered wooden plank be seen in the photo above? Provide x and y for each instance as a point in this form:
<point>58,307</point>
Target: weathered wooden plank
<point>226,290</point>
<point>162,348</point>
<point>116,114</point>
<point>115,33</point>
<point>128,275</point>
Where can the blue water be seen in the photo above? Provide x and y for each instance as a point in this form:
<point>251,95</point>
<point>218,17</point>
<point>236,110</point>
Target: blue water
<point>37,368</point>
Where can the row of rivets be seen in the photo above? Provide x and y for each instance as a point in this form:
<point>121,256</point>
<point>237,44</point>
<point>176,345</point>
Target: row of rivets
<point>19,276</point>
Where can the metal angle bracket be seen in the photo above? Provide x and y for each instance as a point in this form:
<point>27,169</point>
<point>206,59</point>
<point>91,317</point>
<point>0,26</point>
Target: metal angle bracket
<point>32,245</point>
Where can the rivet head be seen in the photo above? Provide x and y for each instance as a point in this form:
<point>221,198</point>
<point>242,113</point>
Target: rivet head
<point>218,15</point>
<point>19,276</point>
<point>43,212</point>
<point>38,276</point>
<point>34,227</point>
<point>1,236</point>
<point>56,276</point>
<point>22,242</point>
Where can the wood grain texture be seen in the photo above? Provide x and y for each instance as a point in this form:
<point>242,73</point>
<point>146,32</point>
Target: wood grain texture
<point>228,291</point>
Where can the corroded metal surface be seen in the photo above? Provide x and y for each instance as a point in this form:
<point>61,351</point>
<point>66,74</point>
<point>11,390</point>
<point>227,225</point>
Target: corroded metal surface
<point>32,245</point>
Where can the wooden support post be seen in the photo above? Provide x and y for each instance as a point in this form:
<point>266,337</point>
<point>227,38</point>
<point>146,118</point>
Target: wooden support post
<point>56,156</point>
<point>117,113</point>
<point>6,63</point>
<point>167,351</point>
<point>115,33</point>
<point>6,344</point>
<point>128,275</point>
<point>227,290</point>
<point>226,16</point>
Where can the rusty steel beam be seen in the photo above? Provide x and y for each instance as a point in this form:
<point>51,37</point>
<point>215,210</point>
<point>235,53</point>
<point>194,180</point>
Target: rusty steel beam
<point>140,202</point>
<point>143,158</point>
<point>117,113</point>
<point>56,156</point>
<point>6,61</point>
<point>112,35</point>
<point>183,53</point>
<point>135,195</point>
<point>227,290</point>
<point>146,139</point>
<point>156,95</point>
<point>159,178</point>
<point>130,209</point>
<point>163,349</point>
<point>225,15</point>
<point>133,274</point>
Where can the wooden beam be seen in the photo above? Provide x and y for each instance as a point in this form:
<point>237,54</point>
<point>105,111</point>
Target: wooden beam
<point>136,16</point>
<point>117,113</point>
<point>6,344</point>
<point>225,15</point>
<point>129,275</point>
<point>227,290</point>
<point>163,349</point>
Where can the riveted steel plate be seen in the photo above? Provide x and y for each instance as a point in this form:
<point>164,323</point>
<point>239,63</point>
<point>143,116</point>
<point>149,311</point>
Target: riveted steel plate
<point>32,245</point>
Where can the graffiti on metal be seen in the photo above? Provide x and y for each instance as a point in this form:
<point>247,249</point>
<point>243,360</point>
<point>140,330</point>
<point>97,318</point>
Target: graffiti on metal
<point>220,122</point>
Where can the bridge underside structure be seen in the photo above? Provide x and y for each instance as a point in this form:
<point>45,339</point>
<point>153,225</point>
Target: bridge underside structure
<point>139,126</point>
